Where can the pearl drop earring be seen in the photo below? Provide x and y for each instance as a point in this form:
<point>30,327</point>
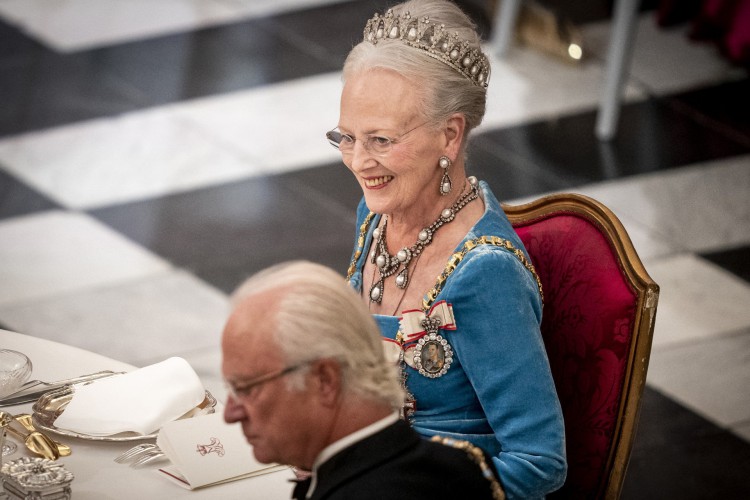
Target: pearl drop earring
<point>445,182</point>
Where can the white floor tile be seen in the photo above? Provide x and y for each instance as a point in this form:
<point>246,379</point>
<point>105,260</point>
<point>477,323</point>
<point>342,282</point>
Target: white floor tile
<point>528,85</point>
<point>697,300</point>
<point>182,146</point>
<point>648,245</point>
<point>139,322</point>
<point>711,377</point>
<point>83,24</point>
<point>664,60</point>
<point>125,158</point>
<point>697,208</point>
<point>57,253</point>
<point>281,127</point>
<point>257,8</point>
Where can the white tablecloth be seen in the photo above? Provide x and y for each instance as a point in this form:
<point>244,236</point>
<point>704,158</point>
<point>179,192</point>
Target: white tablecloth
<point>97,476</point>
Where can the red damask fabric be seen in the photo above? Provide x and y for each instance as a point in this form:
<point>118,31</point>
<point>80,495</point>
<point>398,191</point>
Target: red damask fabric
<point>587,325</point>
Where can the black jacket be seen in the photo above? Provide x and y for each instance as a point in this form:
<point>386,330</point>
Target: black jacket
<point>397,463</point>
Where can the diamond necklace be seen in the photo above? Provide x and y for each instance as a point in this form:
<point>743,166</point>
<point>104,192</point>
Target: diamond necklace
<point>388,265</point>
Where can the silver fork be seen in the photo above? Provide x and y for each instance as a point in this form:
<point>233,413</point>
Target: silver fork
<point>134,452</point>
<point>153,455</point>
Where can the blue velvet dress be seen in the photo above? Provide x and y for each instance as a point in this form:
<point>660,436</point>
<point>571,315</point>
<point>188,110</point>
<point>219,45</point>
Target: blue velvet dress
<point>498,393</point>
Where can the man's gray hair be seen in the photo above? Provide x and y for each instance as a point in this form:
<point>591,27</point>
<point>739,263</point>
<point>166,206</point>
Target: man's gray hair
<point>320,316</point>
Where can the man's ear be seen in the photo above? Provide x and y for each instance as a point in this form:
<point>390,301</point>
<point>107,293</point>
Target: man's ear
<point>327,380</point>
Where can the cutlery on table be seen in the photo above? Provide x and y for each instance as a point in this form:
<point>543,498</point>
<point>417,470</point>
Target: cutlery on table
<point>25,394</point>
<point>25,420</point>
<point>133,452</point>
<point>35,441</point>
<point>154,455</point>
<point>140,455</point>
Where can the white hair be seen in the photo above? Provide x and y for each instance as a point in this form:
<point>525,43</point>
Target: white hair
<point>320,316</point>
<point>442,91</point>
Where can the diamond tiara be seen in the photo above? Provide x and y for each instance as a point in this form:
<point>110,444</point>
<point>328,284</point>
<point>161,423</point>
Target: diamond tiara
<point>432,38</point>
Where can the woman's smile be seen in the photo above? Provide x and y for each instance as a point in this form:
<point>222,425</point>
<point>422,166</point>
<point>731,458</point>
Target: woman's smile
<point>377,182</point>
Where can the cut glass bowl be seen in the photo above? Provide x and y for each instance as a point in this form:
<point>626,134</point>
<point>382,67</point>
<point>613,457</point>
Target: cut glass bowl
<point>15,369</point>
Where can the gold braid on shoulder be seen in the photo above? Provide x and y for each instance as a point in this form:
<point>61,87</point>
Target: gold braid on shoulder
<point>360,245</point>
<point>477,456</point>
<point>457,257</point>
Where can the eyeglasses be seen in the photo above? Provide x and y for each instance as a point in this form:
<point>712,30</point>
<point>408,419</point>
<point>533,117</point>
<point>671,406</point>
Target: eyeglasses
<point>243,389</point>
<point>373,144</point>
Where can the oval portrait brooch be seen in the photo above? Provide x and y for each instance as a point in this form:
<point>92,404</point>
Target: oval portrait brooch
<point>431,355</point>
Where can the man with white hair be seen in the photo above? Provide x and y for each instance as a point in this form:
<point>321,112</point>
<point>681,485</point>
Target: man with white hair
<point>309,383</point>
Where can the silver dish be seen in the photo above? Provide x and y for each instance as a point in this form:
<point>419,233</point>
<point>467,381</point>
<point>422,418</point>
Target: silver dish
<point>52,404</point>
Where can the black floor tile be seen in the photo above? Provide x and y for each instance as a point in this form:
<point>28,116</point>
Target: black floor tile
<point>677,454</point>
<point>49,89</point>
<point>209,61</point>
<point>652,135</point>
<point>735,260</point>
<point>509,174</point>
<point>332,184</point>
<point>16,198</point>
<point>225,233</point>
<point>14,45</point>
<point>725,108</point>
<point>328,32</point>
<point>42,88</point>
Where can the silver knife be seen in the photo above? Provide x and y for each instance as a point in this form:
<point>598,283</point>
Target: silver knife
<point>28,396</point>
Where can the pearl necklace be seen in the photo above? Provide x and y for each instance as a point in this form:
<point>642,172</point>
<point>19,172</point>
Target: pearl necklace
<point>388,265</point>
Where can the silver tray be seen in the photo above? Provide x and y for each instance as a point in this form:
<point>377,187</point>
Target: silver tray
<point>52,404</point>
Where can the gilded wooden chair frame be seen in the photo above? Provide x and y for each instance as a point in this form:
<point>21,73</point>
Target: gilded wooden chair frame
<point>647,292</point>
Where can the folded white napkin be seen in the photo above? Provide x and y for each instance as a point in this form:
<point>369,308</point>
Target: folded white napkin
<point>140,401</point>
<point>206,451</point>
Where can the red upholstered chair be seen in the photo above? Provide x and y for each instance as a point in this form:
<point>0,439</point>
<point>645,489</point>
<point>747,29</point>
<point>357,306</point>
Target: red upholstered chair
<point>598,321</point>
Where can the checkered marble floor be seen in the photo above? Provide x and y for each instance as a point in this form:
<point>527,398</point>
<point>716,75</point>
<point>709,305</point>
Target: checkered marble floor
<point>153,154</point>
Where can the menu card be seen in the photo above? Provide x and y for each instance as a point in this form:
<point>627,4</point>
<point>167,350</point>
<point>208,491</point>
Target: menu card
<point>206,451</point>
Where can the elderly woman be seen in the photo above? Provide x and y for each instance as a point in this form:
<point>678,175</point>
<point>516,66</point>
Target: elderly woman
<point>435,258</point>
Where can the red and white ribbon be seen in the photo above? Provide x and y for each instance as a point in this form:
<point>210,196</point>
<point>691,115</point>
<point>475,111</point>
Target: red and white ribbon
<point>411,321</point>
